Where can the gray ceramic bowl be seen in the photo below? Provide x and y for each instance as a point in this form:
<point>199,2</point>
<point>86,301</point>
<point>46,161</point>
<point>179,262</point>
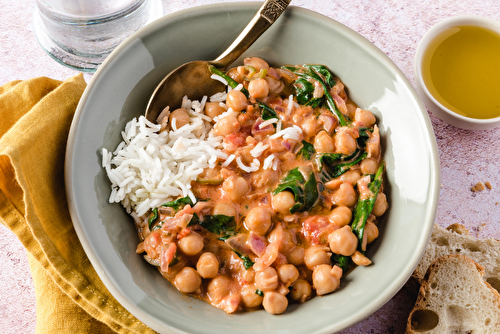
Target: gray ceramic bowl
<point>119,91</point>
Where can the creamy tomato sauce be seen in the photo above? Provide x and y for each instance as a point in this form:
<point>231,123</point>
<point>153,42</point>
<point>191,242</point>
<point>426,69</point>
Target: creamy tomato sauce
<point>294,206</point>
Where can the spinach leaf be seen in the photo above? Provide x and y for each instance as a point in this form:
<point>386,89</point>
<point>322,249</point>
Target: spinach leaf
<point>259,292</point>
<point>153,218</point>
<point>311,193</point>
<point>305,191</point>
<point>292,182</point>
<point>247,263</point>
<point>363,137</point>
<point>323,75</point>
<point>179,203</point>
<point>304,90</point>
<point>267,112</point>
<point>219,224</point>
<point>332,165</point>
<point>344,262</point>
<point>365,206</point>
<point>231,83</point>
<point>307,150</point>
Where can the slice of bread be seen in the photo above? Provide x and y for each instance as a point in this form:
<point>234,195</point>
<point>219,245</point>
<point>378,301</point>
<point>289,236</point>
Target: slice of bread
<point>453,298</point>
<point>455,239</point>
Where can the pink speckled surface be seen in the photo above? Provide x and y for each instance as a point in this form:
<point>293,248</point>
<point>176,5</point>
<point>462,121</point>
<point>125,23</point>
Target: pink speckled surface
<point>395,26</point>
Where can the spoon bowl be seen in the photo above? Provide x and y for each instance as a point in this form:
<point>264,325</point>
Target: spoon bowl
<point>193,79</point>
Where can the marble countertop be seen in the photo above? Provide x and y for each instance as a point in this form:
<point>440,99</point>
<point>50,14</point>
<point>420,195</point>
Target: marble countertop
<point>394,26</point>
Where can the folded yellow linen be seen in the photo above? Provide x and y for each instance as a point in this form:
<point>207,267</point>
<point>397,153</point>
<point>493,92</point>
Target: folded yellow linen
<point>35,119</point>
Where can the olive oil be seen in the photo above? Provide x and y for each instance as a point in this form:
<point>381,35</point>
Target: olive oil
<point>461,69</point>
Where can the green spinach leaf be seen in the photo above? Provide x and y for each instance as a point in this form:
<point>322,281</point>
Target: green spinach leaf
<point>323,75</point>
<point>307,151</point>
<point>332,165</point>
<point>305,191</point>
<point>365,206</point>
<point>179,203</point>
<point>247,262</point>
<point>267,112</point>
<point>230,81</point>
<point>304,90</point>
<point>344,262</point>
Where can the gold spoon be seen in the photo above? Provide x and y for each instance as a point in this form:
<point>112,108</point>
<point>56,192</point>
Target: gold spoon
<point>193,78</point>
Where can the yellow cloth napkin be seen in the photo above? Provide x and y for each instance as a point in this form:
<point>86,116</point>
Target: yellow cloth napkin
<point>35,117</point>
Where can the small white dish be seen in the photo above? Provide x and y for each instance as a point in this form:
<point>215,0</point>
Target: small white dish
<point>430,101</point>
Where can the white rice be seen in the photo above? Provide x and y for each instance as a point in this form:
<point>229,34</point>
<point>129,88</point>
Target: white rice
<point>258,149</point>
<point>268,122</point>
<point>289,108</point>
<point>219,78</point>
<point>150,168</point>
<point>268,162</point>
<point>293,132</point>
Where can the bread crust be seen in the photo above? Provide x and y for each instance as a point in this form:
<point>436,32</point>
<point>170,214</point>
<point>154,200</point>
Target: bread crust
<point>456,239</point>
<point>453,298</point>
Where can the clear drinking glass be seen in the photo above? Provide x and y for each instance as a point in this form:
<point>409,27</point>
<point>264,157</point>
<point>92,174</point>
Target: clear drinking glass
<point>82,33</point>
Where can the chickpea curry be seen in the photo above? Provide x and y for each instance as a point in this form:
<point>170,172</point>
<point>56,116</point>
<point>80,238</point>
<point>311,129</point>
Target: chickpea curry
<point>293,207</point>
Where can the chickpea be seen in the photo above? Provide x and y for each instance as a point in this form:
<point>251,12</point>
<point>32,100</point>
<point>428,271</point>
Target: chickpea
<point>213,109</point>
<point>364,117</point>
<point>187,280</point>
<point>249,297</point>
<point>340,216</point>
<point>264,178</point>
<point>235,74</point>
<point>224,209</point>
<point>316,255</point>
<point>351,176</point>
<point>275,86</point>
<point>235,187</point>
<point>227,125</point>
<point>301,291</point>
<point>344,142</point>
<point>288,274</point>
<point>380,205</point>
<point>207,265</point>
<point>258,220</point>
<point>360,259</point>
<point>274,302</point>
<point>181,117</point>
<point>248,275</point>
<point>287,243</point>
<point>218,288</point>
<point>236,100</point>
<point>267,280</point>
<point>369,166</point>
<point>257,63</point>
<point>258,88</point>
<point>282,202</point>
<point>323,281</point>
<point>343,241</point>
<point>323,143</point>
<point>191,244</point>
<point>371,231</point>
<point>310,126</point>
<point>345,195</point>
<point>296,256</point>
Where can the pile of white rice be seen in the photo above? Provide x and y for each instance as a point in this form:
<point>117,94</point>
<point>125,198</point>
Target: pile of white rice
<point>150,168</point>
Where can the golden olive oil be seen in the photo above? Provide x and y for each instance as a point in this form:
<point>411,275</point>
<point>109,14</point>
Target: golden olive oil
<point>461,69</point>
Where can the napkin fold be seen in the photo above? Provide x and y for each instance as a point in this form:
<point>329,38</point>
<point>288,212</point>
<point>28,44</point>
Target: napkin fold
<point>35,118</point>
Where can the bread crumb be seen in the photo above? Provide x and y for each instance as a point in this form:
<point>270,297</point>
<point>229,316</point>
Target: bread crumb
<point>458,228</point>
<point>488,185</point>
<point>478,187</point>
